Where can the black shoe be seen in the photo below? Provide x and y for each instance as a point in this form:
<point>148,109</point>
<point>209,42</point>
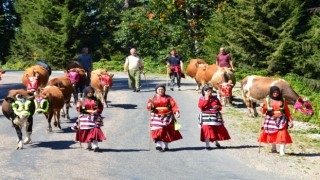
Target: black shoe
<point>134,90</point>
<point>137,90</point>
<point>89,148</point>
<point>208,148</point>
<point>97,149</point>
<point>166,149</point>
<point>171,89</point>
<point>159,148</point>
<point>217,144</point>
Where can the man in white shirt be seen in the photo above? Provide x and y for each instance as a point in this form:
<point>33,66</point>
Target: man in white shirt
<point>135,65</point>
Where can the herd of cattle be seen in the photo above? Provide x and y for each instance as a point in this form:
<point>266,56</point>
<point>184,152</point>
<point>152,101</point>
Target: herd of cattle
<point>50,96</point>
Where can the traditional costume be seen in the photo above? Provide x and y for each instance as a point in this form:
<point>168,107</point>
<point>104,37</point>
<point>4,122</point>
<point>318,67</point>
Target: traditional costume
<point>274,128</point>
<point>90,109</point>
<point>211,121</point>
<point>162,120</point>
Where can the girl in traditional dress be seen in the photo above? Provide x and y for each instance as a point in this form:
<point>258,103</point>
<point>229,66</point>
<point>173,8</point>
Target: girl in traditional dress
<point>274,128</point>
<point>210,119</point>
<point>90,109</point>
<point>162,110</point>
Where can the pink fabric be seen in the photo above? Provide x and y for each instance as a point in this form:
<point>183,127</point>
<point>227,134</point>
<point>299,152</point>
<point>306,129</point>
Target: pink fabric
<point>304,107</point>
<point>74,76</point>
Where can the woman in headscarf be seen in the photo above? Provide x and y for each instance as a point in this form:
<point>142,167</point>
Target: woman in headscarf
<point>90,109</point>
<point>210,119</point>
<point>275,125</point>
<point>163,110</point>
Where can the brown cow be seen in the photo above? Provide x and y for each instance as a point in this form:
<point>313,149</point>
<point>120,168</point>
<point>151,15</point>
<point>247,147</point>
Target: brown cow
<point>35,77</point>
<point>78,81</point>
<point>256,88</point>
<point>19,107</point>
<point>192,68</point>
<point>101,82</point>
<point>65,85</point>
<point>50,101</point>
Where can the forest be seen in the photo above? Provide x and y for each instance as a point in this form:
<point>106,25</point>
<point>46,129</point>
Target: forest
<point>264,37</point>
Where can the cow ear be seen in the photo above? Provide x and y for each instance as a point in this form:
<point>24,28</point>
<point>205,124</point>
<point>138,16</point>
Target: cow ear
<point>65,71</point>
<point>111,75</point>
<point>9,99</point>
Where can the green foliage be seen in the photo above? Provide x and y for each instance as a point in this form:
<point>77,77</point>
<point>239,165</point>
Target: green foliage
<point>115,64</point>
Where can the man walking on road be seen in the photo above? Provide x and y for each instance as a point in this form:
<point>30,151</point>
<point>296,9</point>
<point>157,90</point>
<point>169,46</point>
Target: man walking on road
<point>176,68</point>
<point>135,65</point>
<point>85,60</point>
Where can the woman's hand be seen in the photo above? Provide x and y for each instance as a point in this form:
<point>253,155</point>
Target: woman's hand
<point>177,114</point>
<point>291,124</point>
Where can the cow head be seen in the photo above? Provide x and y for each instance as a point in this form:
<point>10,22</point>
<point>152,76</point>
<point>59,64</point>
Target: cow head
<point>42,104</point>
<point>304,106</point>
<point>105,80</point>
<point>33,81</point>
<point>225,91</point>
<point>20,105</point>
<point>74,76</point>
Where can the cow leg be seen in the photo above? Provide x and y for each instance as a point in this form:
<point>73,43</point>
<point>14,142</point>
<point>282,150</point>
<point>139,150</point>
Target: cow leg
<point>49,117</point>
<point>29,125</point>
<point>19,134</point>
<point>75,95</point>
<point>63,114</point>
<point>67,110</point>
<point>254,107</point>
<point>105,95</point>
<point>57,118</point>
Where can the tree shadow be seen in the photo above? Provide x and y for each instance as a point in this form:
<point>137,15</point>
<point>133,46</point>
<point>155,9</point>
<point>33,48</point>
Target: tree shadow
<point>203,148</point>
<point>57,145</point>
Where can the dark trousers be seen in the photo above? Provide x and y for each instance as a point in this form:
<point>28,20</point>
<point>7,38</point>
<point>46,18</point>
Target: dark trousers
<point>174,75</point>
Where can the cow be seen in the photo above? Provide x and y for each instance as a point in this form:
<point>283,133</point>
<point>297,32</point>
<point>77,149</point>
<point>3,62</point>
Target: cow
<point>19,107</point>
<point>50,101</point>
<point>192,68</point>
<point>256,88</point>
<point>101,82</point>
<point>78,78</point>
<point>65,85</point>
<point>35,77</point>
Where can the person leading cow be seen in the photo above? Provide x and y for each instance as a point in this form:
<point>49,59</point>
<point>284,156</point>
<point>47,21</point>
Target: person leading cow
<point>224,60</point>
<point>176,68</point>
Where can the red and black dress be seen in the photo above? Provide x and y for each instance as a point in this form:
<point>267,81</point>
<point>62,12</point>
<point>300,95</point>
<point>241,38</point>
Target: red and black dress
<point>211,121</point>
<point>162,118</point>
<point>90,121</point>
<point>275,125</point>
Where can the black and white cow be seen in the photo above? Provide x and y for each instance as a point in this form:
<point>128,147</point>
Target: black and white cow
<point>19,107</point>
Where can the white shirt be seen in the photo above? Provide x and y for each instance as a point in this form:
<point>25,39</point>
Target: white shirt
<point>134,63</point>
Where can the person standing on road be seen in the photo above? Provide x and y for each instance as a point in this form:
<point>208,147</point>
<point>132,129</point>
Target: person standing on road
<point>224,60</point>
<point>85,60</point>
<point>163,110</point>
<point>175,64</point>
<point>276,122</point>
<point>135,65</point>
<point>210,119</point>
<point>90,109</point>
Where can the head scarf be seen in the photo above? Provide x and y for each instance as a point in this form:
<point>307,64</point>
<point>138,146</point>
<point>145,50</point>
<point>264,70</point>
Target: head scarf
<point>86,90</point>
<point>161,85</point>
<point>272,89</point>
<point>206,87</point>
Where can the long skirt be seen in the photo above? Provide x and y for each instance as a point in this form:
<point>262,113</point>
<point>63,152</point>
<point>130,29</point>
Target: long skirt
<point>166,134</point>
<point>280,137</point>
<point>88,135</point>
<point>214,133</point>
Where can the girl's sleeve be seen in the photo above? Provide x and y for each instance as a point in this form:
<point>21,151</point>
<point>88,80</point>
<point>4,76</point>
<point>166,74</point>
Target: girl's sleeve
<point>174,105</point>
<point>287,111</point>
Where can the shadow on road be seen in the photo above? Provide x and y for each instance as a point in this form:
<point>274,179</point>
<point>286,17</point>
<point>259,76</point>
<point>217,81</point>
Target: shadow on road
<point>58,145</point>
<point>124,106</point>
<point>123,150</point>
<point>304,154</point>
